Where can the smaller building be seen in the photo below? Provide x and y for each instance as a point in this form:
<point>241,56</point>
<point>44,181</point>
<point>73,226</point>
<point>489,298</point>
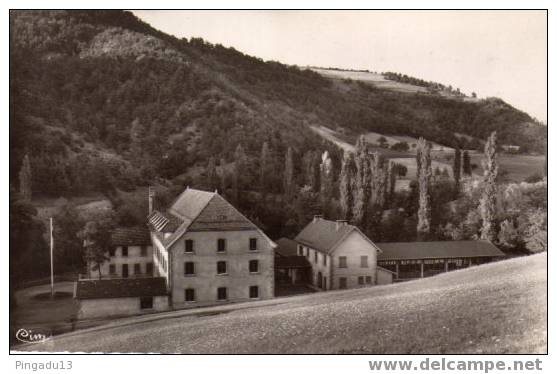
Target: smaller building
<point>409,260</point>
<point>130,255</point>
<point>289,267</point>
<point>100,298</point>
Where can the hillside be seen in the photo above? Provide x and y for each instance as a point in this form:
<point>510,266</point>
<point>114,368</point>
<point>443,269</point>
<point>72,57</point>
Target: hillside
<point>102,100</point>
<point>496,308</point>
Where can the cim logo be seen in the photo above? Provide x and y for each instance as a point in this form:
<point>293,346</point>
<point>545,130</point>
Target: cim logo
<point>29,336</point>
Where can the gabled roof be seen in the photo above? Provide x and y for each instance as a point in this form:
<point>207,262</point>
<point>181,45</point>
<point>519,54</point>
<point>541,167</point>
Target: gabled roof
<point>130,236</point>
<point>324,235</point>
<point>196,210</point>
<point>437,250</point>
<point>122,287</point>
<point>286,247</point>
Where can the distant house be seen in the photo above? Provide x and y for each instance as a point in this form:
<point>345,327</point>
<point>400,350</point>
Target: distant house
<point>130,255</point>
<point>410,260</point>
<point>119,297</point>
<point>209,253</point>
<point>511,148</point>
<point>341,256</point>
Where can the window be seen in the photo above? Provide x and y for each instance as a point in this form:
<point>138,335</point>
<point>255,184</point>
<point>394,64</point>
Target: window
<point>146,302</point>
<point>112,269</point>
<point>189,246</point>
<point>149,269</point>
<point>300,250</point>
<point>361,280</point>
<point>137,268</point>
<point>342,283</point>
<point>112,251</point>
<point>315,257</point>
<point>254,292</point>
<point>221,293</point>
<point>189,294</point>
<point>253,266</point>
<point>253,244</point>
<point>368,279</point>
<point>342,262</point>
<point>143,251</point>
<point>363,261</point>
<point>307,252</point>
<point>325,260</point>
<point>125,251</point>
<point>221,267</point>
<point>221,245</point>
<point>125,271</point>
<point>189,268</point>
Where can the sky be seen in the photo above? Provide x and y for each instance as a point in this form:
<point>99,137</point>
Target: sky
<point>492,53</point>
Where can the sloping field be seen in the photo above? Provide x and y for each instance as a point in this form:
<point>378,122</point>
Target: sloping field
<point>495,308</point>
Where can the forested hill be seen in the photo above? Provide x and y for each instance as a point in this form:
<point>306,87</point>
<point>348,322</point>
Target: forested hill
<point>101,99</point>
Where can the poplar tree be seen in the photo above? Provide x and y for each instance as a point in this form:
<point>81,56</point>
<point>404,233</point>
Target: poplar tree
<point>265,163</point>
<point>212,177</point>
<point>456,169</point>
<point>391,182</point>
<point>378,180</point>
<point>362,182</point>
<point>326,176</point>
<point>466,167</point>
<point>223,177</point>
<point>488,200</point>
<point>25,179</point>
<point>346,184</point>
<point>289,173</point>
<point>239,166</point>
<point>423,162</point>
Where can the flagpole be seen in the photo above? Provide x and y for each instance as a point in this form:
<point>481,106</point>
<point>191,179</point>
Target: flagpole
<point>51,261</point>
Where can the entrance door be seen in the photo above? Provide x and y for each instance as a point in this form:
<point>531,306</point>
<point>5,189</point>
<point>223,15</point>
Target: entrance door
<point>125,271</point>
<point>319,280</point>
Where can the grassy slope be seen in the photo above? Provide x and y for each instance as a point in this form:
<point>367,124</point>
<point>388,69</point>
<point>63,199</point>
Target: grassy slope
<point>496,308</point>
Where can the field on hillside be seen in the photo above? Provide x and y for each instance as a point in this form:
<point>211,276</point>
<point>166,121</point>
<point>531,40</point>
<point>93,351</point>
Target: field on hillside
<point>496,308</point>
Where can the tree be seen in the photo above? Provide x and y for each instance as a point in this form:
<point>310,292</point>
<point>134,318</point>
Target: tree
<point>265,166</point>
<point>224,182</point>
<point>96,239</point>
<point>466,166</point>
<point>536,232</point>
<point>326,177</point>
<point>212,176</point>
<point>391,182</point>
<point>400,146</point>
<point>423,161</point>
<point>25,179</point>
<point>456,169</point>
<point>68,248</point>
<point>346,184</point>
<point>382,142</point>
<point>488,201</point>
<point>378,181</point>
<point>289,173</point>
<point>362,183</point>
<point>239,170</point>
<point>509,235</point>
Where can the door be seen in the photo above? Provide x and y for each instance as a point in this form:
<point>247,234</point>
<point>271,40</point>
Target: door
<point>319,280</point>
<point>125,271</point>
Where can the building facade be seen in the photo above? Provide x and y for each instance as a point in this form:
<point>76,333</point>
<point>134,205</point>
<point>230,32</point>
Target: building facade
<point>130,255</point>
<point>341,256</point>
<point>209,253</point>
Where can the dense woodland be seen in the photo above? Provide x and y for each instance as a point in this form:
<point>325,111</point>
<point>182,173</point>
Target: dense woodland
<point>100,102</point>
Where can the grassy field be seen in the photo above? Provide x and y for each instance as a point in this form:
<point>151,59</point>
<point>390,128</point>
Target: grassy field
<point>495,308</point>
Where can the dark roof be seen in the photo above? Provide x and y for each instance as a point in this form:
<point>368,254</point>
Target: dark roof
<point>123,287</point>
<point>435,250</point>
<point>291,262</point>
<point>323,235</point>
<point>219,214</point>
<point>130,236</point>
<point>286,247</point>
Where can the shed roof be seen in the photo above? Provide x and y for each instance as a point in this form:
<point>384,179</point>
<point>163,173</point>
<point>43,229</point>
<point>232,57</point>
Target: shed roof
<point>437,250</point>
<point>122,287</point>
<point>286,247</point>
<point>138,235</point>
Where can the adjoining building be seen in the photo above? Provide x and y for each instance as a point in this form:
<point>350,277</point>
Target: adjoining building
<point>289,267</point>
<point>209,253</point>
<point>341,256</point>
<point>130,255</point>
<point>409,260</point>
<point>98,298</point>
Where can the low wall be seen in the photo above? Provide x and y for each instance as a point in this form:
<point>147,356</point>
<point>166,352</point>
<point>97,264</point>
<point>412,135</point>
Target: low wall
<point>112,307</point>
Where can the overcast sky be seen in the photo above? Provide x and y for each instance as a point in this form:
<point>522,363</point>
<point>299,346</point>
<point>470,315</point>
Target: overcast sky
<point>494,53</point>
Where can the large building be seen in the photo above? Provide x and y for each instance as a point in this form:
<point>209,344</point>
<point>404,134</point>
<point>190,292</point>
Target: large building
<point>341,256</point>
<point>208,252</point>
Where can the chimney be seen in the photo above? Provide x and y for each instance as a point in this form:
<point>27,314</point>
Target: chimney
<point>151,196</point>
<point>341,223</point>
<point>317,217</point>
